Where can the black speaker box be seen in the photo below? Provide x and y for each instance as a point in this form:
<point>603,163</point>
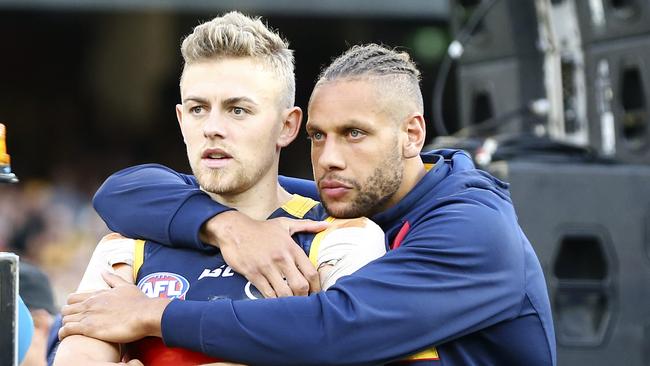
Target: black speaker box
<point>500,71</point>
<point>618,93</point>
<point>590,227</point>
<point>504,31</point>
<point>602,20</point>
<point>494,89</point>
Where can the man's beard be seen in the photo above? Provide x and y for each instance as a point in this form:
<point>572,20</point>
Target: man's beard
<point>224,182</point>
<point>373,195</point>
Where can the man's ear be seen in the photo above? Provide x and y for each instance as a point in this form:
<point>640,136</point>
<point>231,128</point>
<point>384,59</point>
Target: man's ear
<point>292,119</point>
<point>416,130</point>
<point>179,117</point>
<point>179,113</point>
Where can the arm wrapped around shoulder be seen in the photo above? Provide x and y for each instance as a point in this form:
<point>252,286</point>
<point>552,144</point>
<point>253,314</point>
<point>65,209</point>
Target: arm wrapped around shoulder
<point>346,246</point>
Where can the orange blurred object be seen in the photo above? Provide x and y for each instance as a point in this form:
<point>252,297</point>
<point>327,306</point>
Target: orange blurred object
<point>6,176</point>
<point>4,157</point>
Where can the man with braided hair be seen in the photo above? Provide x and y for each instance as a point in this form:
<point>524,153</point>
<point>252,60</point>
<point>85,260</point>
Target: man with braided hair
<point>461,283</point>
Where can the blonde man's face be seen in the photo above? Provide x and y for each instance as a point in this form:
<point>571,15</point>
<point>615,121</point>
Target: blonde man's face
<point>230,118</point>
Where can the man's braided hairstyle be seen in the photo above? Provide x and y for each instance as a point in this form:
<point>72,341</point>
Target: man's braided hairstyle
<point>376,61</point>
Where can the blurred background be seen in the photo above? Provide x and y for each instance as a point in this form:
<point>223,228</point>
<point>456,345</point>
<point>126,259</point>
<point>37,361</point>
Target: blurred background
<point>550,95</point>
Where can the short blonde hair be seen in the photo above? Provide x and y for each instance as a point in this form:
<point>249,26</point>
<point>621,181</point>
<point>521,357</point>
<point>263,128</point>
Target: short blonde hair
<point>237,35</point>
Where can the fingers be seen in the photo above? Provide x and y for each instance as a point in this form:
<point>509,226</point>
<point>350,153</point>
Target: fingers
<point>301,275</point>
<point>71,321</point>
<point>71,329</point>
<point>263,286</point>
<point>72,318</point>
<point>277,281</point>
<point>78,297</point>
<point>72,309</point>
<point>114,280</point>
<point>292,274</point>
<point>307,271</point>
<point>276,265</point>
<point>297,284</point>
<point>297,226</point>
<point>73,315</point>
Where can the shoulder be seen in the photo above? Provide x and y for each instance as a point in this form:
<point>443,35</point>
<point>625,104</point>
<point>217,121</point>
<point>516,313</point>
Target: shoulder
<point>301,207</point>
<point>467,235</point>
<point>472,220</point>
<point>358,239</point>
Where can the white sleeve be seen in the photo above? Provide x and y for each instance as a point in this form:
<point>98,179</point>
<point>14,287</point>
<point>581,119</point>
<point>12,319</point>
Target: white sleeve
<point>349,248</point>
<point>111,250</point>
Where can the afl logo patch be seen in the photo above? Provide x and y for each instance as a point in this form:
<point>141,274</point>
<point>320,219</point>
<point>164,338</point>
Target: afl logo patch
<point>164,284</point>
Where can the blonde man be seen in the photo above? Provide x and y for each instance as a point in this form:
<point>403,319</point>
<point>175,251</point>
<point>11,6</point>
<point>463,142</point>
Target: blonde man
<point>236,114</point>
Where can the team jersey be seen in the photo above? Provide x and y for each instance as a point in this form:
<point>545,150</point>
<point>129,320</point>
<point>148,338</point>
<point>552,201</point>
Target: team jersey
<point>187,274</point>
<point>460,275</point>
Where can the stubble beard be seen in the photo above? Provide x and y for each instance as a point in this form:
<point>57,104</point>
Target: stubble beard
<point>377,190</point>
<point>225,181</point>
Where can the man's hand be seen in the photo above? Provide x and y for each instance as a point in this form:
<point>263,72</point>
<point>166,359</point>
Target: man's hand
<point>264,252</point>
<point>121,314</point>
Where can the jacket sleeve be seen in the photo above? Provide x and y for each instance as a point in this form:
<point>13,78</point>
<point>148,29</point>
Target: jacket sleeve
<point>460,269</point>
<point>156,203</point>
<point>303,187</point>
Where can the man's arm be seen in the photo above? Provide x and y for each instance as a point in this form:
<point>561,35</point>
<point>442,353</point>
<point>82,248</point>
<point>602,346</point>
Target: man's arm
<point>112,253</point>
<point>451,276</point>
<point>82,350</point>
<point>458,271</point>
<point>154,202</point>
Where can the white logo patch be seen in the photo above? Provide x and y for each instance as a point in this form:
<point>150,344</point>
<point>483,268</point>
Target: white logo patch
<point>217,272</point>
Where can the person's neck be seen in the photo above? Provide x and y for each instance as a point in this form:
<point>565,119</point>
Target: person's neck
<point>259,201</point>
<point>414,171</point>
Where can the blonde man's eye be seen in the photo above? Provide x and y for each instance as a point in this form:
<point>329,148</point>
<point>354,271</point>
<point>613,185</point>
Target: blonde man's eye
<point>239,111</point>
<point>354,133</point>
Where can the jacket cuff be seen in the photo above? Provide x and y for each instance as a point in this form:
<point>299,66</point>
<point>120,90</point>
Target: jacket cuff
<point>191,215</point>
<point>181,324</point>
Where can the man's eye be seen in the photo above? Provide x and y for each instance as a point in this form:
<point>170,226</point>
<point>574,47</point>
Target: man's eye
<point>196,109</point>
<point>238,111</point>
<point>316,136</point>
<point>355,133</point>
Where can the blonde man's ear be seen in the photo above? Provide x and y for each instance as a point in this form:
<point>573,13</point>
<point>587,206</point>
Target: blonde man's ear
<point>291,123</point>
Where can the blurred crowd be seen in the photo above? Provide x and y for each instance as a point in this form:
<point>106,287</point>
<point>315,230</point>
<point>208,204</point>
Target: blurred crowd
<point>51,225</point>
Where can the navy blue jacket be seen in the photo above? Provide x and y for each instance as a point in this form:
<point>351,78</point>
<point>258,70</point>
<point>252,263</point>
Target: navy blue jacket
<point>463,278</point>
